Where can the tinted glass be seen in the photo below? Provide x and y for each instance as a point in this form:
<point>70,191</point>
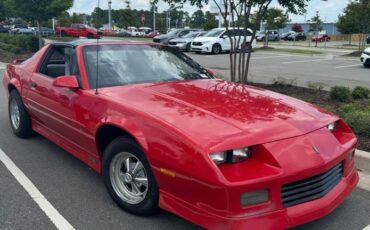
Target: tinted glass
<point>214,33</point>
<point>131,64</point>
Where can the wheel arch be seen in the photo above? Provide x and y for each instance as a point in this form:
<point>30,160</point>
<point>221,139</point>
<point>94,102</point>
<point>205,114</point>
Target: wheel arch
<point>110,130</point>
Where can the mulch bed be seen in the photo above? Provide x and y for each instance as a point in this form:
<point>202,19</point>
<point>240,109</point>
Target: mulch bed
<point>9,57</point>
<point>320,98</point>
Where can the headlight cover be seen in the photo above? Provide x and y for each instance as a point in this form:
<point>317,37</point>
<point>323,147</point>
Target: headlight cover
<point>231,156</point>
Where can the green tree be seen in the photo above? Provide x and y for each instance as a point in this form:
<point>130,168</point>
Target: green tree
<point>316,25</point>
<point>6,9</point>
<point>41,10</point>
<point>77,18</point>
<point>355,19</point>
<point>197,19</point>
<point>210,21</point>
<point>232,11</point>
<point>275,19</point>
<point>64,19</point>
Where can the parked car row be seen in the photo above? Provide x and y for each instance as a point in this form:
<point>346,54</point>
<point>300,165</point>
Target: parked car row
<point>24,29</point>
<point>78,30</point>
<point>214,41</point>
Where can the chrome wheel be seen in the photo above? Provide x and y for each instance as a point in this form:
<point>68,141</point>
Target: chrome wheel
<point>14,114</point>
<point>128,178</point>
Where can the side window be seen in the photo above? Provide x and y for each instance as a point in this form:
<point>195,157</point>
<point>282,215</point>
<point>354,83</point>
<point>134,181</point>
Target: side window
<point>60,61</point>
<point>73,26</point>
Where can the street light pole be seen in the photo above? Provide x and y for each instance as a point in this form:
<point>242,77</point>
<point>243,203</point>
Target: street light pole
<point>153,4</point>
<point>110,14</point>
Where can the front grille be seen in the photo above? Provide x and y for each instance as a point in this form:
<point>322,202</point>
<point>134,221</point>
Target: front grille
<point>197,44</point>
<point>156,40</point>
<point>311,188</point>
<point>172,43</point>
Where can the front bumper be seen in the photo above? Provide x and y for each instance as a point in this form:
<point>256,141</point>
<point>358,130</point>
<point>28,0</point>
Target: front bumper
<point>365,58</point>
<point>180,46</point>
<point>274,166</point>
<point>204,48</point>
<point>280,219</point>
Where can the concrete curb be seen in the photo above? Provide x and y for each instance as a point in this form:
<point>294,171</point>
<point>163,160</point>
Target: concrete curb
<point>362,160</point>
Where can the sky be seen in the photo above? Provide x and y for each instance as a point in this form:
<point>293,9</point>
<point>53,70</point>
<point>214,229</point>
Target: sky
<point>328,10</point>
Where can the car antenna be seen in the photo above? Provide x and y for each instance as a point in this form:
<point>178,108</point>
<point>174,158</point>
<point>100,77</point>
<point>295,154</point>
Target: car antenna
<point>97,56</point>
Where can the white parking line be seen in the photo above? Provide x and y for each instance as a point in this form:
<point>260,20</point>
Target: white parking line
<point>271,57</point>
<point>312,60</point>
<point>346,66</point>
<point>58,220</point>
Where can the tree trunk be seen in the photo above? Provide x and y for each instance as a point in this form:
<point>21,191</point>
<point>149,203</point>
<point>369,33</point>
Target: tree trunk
<point>39,34</point>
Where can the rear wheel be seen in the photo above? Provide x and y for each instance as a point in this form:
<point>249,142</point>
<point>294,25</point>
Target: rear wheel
<point>128,177</point>
<point>18,116</point>
<point>216,49</point>
<point>63,33</point>
<point>90,36</point>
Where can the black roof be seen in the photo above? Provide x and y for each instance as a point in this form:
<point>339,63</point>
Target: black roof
<point>78,42</point>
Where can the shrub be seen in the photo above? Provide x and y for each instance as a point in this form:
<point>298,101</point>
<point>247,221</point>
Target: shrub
<point>23,42</point>
<point>359,121</point>
<point>360,92</point>
<point>10,48</point>
<point>316,85</point>
<point>349,108</point>
<point>284,81</point>
<point>340,93</point>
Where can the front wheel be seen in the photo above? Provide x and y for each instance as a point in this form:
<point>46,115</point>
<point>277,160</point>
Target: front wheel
<point>18,116</point>
<point>216,49</point>
<point>128,177</point>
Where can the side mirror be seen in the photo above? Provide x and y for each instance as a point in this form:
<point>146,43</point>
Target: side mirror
<point>69,81</point>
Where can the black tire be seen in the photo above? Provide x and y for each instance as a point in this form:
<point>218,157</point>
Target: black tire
<point>367,63</point>
<point>216,49</point>
<point>188,47</point>
<point>198,52</point>
<point>90,36</point>
<point>24,129</point>
<point>63,34</point>
<point>149,205</point>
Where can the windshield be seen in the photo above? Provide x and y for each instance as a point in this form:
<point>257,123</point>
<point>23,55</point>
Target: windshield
<point>173,32</point>
<point>213,33</point>
<point>131,64</point>
<point>191,35</point>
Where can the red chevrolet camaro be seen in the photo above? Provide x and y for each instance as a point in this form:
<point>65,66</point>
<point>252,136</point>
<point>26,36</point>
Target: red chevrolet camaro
<point>165,133</point>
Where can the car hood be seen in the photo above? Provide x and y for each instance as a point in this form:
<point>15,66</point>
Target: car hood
<point>214,112</point>
<point>204,39</point>
<point>164,36</point>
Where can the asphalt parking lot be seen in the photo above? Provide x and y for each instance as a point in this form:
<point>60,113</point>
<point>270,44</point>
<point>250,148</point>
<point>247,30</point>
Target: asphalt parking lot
<point>331,68</point>
<point>78,193</point>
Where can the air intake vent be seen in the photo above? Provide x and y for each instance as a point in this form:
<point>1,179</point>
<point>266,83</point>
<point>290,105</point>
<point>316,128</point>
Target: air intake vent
<point>311,188</point>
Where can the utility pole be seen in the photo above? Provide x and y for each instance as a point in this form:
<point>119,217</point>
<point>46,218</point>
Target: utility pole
<point>110,14</point>
<point>154,9</point>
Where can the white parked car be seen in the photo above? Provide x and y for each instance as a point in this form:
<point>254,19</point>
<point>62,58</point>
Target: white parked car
<point>217,40</point>
<point>184,43</point>
<point>21,29</point>
<point>135,32</point>
<point>365,57</point>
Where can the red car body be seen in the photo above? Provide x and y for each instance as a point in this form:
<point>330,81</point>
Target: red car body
<point>78,30</point>
<point>177,124</point>
<point>151,35</point>
<point>321,38</point>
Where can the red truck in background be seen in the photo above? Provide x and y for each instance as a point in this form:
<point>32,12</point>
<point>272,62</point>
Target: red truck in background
<point>78,30</point>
